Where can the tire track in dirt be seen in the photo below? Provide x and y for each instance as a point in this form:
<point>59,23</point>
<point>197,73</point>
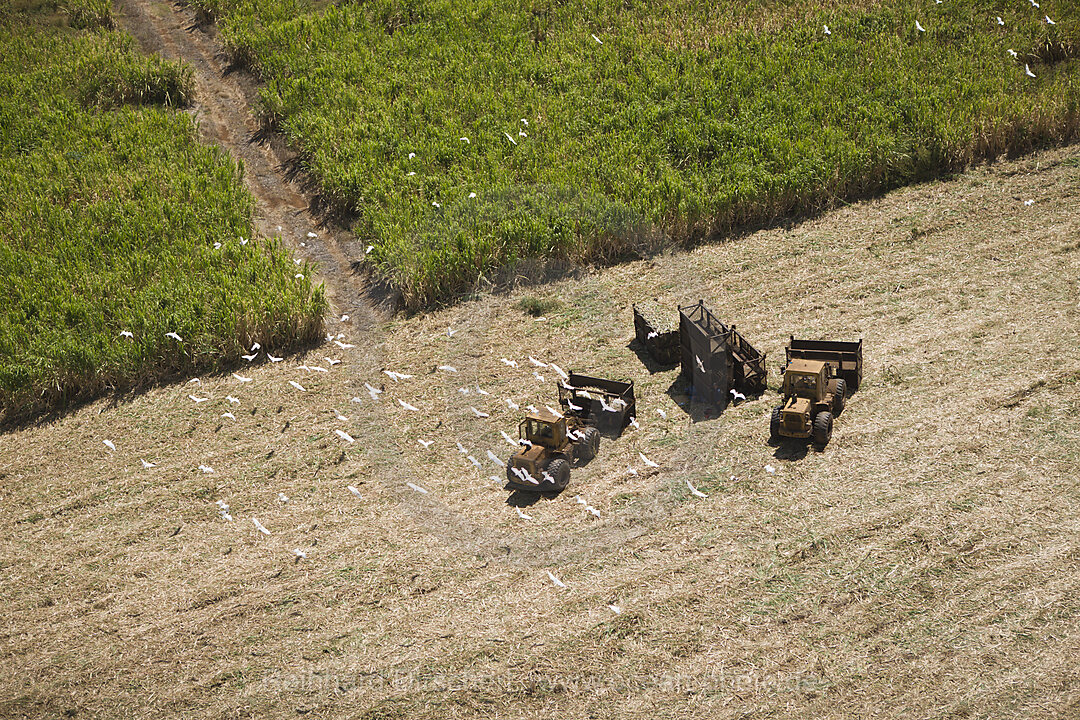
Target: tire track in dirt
<point>222,112</point>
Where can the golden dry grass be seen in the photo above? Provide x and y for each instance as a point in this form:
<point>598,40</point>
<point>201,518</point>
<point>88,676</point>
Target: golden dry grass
<point>925,565</point>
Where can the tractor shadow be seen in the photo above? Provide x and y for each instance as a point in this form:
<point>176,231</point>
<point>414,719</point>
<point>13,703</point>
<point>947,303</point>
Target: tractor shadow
<point>524,499</point>
<point>791,449</point>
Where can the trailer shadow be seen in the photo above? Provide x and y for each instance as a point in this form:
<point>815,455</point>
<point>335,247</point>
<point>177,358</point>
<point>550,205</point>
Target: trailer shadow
<point>647,360</point>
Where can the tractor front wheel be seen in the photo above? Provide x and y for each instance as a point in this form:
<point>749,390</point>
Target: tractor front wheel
<point>559,469</point>
<point>774,424</point>
<point>822,429</point>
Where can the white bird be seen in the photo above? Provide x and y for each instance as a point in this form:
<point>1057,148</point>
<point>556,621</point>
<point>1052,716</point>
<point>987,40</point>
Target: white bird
<point>217,246</point>
<point>630,470</point>
<point>206,469</point>
<point>344,436</point>
<point>450,331</point>
<point>615,609</point>
<point>1000,21</point>
<point>1034,4</point>
<point>109,444</point>
<point>127,334</point>
<point>481,392</point>
<point>634,422</point>
<point>592,511</point>
<point>559,370</point>
<point>474,461</point>
<point>1027,71</point>
<point>241,378</point>
<point>435,204</point>
<point>538,376</point>
<point>344,346</point>
<point>770,469</point>
<point>356,400</point>
<point>522,515</point>
<point>661,413</point>
<point>373,392</point>
<point>461,449</point>
<point>407,406</point>
<point>395,376</point>
<point>495,459</point>
<point>297,385</point>
<point>700,365</point>
<point>1011,52</point>
<point>410,173</point>
<point>557,581</point>
<point>417,488</point>
<point>353,490</point>
<point>472,195</point>
<point>525,122</point>
<point>274,359</point>
<point>198,399</point>
<point>536,362</point>
<point>251,357</point>
<point>647,461</point>
<point>222,504</point>
<point>344,318</point>
<point>507,438</point>
<point>827,30</point>
<point>510,138</point>
<point>1029,202</point>
<point>479,414</point>
<point>597,39</point>
<point>282,497</point>
<point>254,347</point>
<point>226,516</point>
<point>426,443</point>
<point>300,554</point>
<point>606,407</point>
<point>369,249</point>
<point>448,368</point>
<point>522,133</point>
<point>1048,20</point>
<point>340,417</point>
<point>299,276</point>
<point>412,155</point>
<point>243,241</point>
<point>919,27</point>
<point>174,336</point>
<point>464,390</point>
<point>580,500</point>
<point>553,411</point>
<point>513,405</point>
<point>532,409</point>
<point>332,362</point>
<point>651,335</point>
<point>575,408</point>
<point>259,526</point>
<point>695,491</point>
<point>465,140</point>
<point>509,363</point>
<point>736,395</point>
<point>228,415</point>
<point>317,368</point>
<point>312,235</point>
<point>548,478</point>
<point>147,465</point>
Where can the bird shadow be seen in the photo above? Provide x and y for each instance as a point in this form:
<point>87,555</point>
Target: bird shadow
<point>650,363</point>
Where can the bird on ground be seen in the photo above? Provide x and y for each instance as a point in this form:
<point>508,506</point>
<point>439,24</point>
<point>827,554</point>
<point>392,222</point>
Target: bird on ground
<point>147,465</point>
<point>630,470</point>
<point>340,417</point>
<point>332,362</point>
<point>127,334</point>
<point>217,246</point>
<point>695,491</point>
<point>592,511</point>
<point>344,318</point>
<point>827,31</point>
<point>407,406</point>
<point>356,400</point>
<point>509,363</point>
<point>461,449</point>
<point>580,500</point>
<point>513,405</point>
<point>474,461</point>
<point>417,488</point>
<point>435,204</point>
<point>647,461</point>
<point>226,516</point>
<point>174,336</point>
<point>634,422</point>
<point>344,436</point>
<point>525,122</point>
<point>426,443</point>
<point>495,459</point>
<point>919,27</point>
<point>1029,202</point>
<point>465,140</point>
<point>274,359</point>
<point>479,391</point>
<point>448,368</point>
<point>478,413</point>
<point>555,580</point>
<point>241,378</point>
<point>312,235</point>
<point>300,554</point>
<point>464,390</point>
<point>317,368</point>
<point>661,413</point>
<point>206,469</point>
<point>282,497</point>
<point>615,609</point>
<point>109,444</point>
<point>597,39</point>
<point>510,138</point>
<point>652,334</point>
<point>234,400</point>
<point>770,469</point>
<point>1027,71</point>
<point>222,504</point>
<point>373,392</point>
<point>412,155</point>
<point>297,385</point>
<point>198,399</point>
<point>450,331</point>
<point>532,409</point>
<point>250,357</point>
<point>1012,52</point>
<point>522,133</point>
<point>228,415</point>
<point>299,276</point>
<point>536,362</point>
<point>1000,21</point>
<point>395,376</point>
<point>344,346</point>
<point>259,526</point>
<point>522,515</point>
<point>353,490</point>
<point>538,376</point>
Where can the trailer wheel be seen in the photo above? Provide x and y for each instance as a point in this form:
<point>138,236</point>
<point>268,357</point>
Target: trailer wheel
<point>560,470</point>
<point>840,398</point>
<point>774,423</point>
<point>589,445</point>
<point>822,429</point>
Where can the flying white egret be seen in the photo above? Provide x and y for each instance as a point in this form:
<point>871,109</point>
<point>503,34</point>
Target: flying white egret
<point>259,526</point>
<point>495,459</point>
<point>630,470</point>
<point>522,515</point>
<point>228,415</point>
<point>919,27</point>
<point>206,469</point>
<point>510,138</point>
<point>508,363</point>
<point>536,362</point>
<point>274,359</point>
<point>174,336</point>
<point>647,461</point>
<point>513,405</point>
<point>478,413</point>
<point>353,490</point>
<point>127,334</point>
<point>282,497</point>
<point>695,491</point>
<point>198,399</point>
<point>332,362</point>
<point>241,378</point>
<point>344,436</point>
<point>555,580</point>
<point>770,469</point>
<point>634,422</point>
<point>417,488</point>
<point>109,444</point>
<point>827,31</point>
<point>407,406</point>
<point>251,357</point>
<point>598,40</point>
<point>1027,71</point>
<point>426,443</point>
<point>344,346</point>
<point>297,385</point>
<point>448,368</point>
<point>147,465</point>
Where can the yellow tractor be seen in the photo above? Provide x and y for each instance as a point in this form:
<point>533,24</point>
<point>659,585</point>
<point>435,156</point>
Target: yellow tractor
<point>812,397</point>
<point>551,445</point>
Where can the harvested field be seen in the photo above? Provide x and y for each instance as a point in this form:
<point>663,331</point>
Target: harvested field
<point>924,565</point>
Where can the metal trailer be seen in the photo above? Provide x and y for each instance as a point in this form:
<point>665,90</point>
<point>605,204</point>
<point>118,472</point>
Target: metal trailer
<point>716,358</point>
<point>659,338</point>
<point>845,357</point>
<point>604,404</point>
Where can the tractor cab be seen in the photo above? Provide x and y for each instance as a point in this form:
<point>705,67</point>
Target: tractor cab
<point>806,379</point>
<point>544,429</point>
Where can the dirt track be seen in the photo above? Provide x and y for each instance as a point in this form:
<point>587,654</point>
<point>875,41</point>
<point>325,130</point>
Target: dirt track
<point>222,109</point>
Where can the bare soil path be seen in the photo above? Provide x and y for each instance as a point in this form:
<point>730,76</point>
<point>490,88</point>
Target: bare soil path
<point>223,111</point>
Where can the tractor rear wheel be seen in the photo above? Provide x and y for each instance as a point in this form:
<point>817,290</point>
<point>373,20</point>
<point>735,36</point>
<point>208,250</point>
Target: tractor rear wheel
<point>840,398</point>
<point>822,429</point>
<point>589,444</point>
<point>560,470</point>
<point>774,423</point>
<point>510,476</point>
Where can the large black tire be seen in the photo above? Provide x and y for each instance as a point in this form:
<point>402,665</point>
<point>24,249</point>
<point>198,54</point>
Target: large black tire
<point>840,398</point>
<point>586,448</point>
<point>560,470</point>
<point>774,423</point>
<point>822,428</point>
